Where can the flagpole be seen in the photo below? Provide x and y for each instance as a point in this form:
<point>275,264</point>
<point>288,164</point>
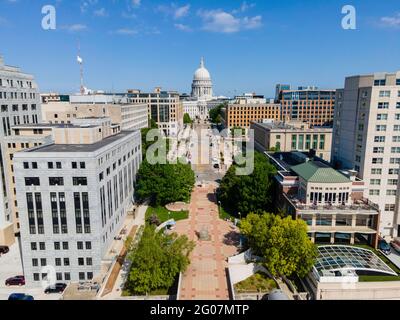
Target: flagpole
<point>80,61</point>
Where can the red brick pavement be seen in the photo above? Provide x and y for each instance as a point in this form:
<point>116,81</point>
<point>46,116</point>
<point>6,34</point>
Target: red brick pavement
<point>206,277</point>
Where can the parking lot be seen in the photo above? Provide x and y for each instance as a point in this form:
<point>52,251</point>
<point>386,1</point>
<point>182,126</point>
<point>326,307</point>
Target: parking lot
<point>10,266</point>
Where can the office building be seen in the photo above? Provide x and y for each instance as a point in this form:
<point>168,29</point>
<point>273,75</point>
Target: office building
<point>331,202</point>
<point>241,115</point>
<point>164,107</point>
<point>308,104</point>
<point>271,135</point>
<point>367,139</point>
<point>73,196</point>
<point>127,115</point>
<point>19,104</point>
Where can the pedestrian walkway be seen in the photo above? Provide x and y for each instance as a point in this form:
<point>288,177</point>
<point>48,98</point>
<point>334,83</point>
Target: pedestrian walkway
<point>206,277</point>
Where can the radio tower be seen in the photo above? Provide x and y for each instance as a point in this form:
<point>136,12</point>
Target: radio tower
<point>80,61</point>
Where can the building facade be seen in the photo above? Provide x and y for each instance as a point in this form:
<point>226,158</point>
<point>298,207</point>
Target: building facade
<point>331,202</point>
<point>73,199</point>
<point>241,115</point>
<point>292,136</point>
<point>367,139</point>
<point>19,104</point>
<point>308,104</point>
<point>164,107</point>
<point>127,115</point>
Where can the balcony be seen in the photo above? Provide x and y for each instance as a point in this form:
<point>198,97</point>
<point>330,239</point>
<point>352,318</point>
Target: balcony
<point>363,206</point>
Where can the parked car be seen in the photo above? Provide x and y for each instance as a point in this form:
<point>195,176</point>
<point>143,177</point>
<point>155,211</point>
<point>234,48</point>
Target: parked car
<point>16,281</point>
<point>20,297</point>
<point>384,247</point>
<point>57,288</point>
<point>4,250</point>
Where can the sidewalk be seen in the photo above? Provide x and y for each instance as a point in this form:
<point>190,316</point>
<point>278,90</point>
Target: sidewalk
<point>139,221</point>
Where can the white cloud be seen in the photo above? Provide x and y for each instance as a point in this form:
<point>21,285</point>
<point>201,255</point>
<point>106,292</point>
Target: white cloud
<point>182,27</point>
<point>224,22</point>
<point>244,7</point>
<point>125,32</point>
<point>101,13</point>
<point>136,3</point>
<point>84,6</point>
<point>75,27</point>
<point>393,21</point>
<point>175,11</point>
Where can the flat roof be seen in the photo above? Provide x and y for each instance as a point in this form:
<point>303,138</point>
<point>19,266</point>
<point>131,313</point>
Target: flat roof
<point>52,125</point>
<point>81,147</point>
<point>338,258</point>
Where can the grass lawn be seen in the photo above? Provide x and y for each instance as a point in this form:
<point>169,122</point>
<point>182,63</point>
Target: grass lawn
<point>258,282</point>
<point>162,214</point>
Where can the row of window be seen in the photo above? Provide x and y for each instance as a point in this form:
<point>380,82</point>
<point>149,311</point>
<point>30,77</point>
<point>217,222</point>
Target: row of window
<point>390,171</point>
<point>54,181</point>
<point>383,139</point>
<point>380,160</point>
<point>396,128</point>
<point>376,192</point>
<point>382,82</point>
<point>15,83</point>
<point>80,245</point>
<point>378,182</point>
<point>382,149</point>
<point>67,276</point>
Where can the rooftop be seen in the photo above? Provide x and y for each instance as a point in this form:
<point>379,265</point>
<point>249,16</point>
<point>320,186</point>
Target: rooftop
<point>338,260</point>
<point>81,147</point>
<point>316,171</point>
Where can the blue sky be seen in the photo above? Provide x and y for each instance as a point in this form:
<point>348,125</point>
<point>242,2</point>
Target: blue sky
<point>248,45</point>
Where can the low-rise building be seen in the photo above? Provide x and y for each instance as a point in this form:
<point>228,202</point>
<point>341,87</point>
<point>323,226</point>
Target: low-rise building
<point>292,136</point>
<point>329,201</point>
<point>241,115</point>
<point>73,196</point>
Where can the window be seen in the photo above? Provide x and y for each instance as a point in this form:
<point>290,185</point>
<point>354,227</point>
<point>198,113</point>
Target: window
<point>35,263</point>
<point>33,246</point>
<point>375,182</point>
<point>58,165</point>
<point>36,277</point>
<point>397,116</point>
<point>391,192</point>
<point>377,160</point>
<point>81,276</point>
<point>381,128</point>
<point>58,262</point>
<point>67,276</point>
<point>65,246</point>
<point>383,105</point>
<point>379,139</point>
<point>74,165</point>
<point>376,171</point>
<point>34,165</point>
<point>83,165</point>
<point>57,246</point>
<point>42,246</point>
<point>79,245</point>
<point>396,139</point>
<point>66,261</point>
<point>396,127</point>
<point>381,82</point>
<point>390,207</point>
<point>395,171</point>
<point>79,181</point>
<point>394,160</point>
<point>32,181</point>
<point>81,261</point>
<point>59,276</point>
<point>382,116</point>
<point>43,262</point>
<point>50,165</point>
<point>56,181</point>
<point>379,150</point>
<point>395,149</point>
<point>89,261</point>
<point>384,94</point>
<point>90,275</point>
<point>393,182</point>
<point>26,165</point>
<point>374,192</point>
<point>88,245</point>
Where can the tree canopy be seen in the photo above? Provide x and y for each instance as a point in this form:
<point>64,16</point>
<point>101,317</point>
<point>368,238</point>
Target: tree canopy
<point>251,193</point>
<point>216,114</point>
<point>157,261</point>
<point>187,119</point>
<point>282,242</point>
<point>165,183</point>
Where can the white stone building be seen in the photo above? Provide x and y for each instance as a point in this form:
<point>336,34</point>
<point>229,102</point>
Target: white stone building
<point>73,199</point>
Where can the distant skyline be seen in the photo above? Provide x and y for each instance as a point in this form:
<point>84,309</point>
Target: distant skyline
<point>248,46</point>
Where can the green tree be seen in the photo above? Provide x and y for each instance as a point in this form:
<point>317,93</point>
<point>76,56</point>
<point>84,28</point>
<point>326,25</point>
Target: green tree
<point>187,119</point>
<point>165,183</point>
<point>157,261</point>
<point>252,193</point>
<point>282,242</point>
<point>215,114</point>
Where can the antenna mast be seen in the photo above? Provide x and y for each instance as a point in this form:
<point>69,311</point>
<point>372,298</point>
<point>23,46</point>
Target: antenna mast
<point>80,61</point>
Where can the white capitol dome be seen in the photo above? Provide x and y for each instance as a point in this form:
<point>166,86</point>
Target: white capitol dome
<point>202,84</point>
